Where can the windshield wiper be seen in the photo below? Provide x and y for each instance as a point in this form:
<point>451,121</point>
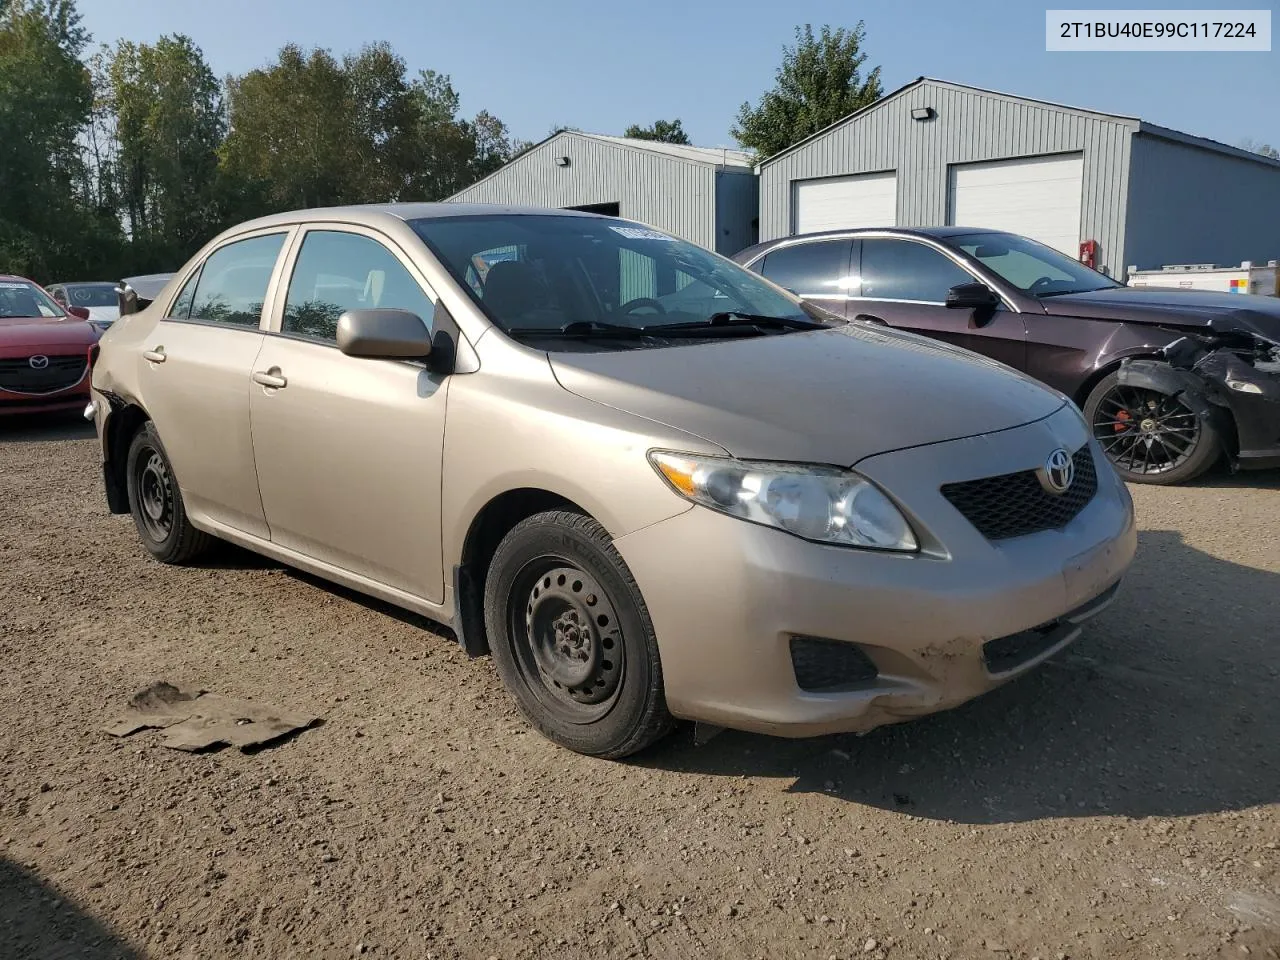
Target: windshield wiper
<point>583,329</point>
<point>735,318</point>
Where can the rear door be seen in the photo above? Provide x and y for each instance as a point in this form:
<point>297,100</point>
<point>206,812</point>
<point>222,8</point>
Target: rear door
<point>904,284</point>
<point>349,449</point>
<point>195,379</point>
<point>817,270</point>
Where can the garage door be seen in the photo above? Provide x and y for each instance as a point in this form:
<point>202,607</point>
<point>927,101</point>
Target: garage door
<point>1037,197</point>
<point>836,203</point>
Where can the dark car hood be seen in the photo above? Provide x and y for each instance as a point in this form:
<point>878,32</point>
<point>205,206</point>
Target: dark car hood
<point>831,396</point>
<point>23,333</point>
<point>1174,307</point>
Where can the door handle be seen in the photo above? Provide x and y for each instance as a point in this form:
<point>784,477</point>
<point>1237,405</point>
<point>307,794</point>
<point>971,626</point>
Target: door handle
<point>870,318</point>
<point>268,379</point>
<point>155,356</point>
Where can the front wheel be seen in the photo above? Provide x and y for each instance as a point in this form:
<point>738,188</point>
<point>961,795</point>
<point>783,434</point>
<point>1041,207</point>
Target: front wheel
<point>1150,436</point>
<point>156,502</point>
<point>571,637</point>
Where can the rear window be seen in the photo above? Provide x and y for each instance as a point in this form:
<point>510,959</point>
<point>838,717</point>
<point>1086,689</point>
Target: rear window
<point>91,294</point>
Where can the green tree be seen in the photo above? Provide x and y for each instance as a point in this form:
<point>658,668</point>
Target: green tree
<point>312,131</point>
<point>820,81</point>
<point>45,99</point>
<point>168,126</point>
<point>664,131</point>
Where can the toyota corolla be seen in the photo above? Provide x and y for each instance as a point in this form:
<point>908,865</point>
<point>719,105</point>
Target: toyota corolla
<point>650,483</point>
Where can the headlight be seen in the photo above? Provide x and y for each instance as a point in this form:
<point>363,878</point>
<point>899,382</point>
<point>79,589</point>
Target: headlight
<point>814,502</point>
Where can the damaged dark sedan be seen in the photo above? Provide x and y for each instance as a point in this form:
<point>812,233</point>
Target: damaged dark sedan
<point>1170,380</point>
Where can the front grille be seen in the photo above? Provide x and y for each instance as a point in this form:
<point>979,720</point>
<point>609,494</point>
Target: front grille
<point>17,374</point>
<point>1015,504</point>
<point>1005,653</point>
<point>822,664</point>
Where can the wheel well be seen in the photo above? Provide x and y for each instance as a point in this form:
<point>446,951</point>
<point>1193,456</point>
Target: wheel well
<point>1225,421</point>
<point>122,425</point>
<point>490,525</point>
<point>1086,388</point>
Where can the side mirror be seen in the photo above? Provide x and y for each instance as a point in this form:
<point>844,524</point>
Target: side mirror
<point>80,313</point>
<point>384,334</point>
<point>971,296</point>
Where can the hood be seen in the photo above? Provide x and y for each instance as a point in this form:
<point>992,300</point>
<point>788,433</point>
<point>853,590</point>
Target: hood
<point>104,315</point>
<point>1171,306</point>
<point>828,396</point>
<point>20,334</point>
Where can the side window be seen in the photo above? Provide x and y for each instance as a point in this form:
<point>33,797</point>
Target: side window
<point>905,270</point>
<point>817,269</point>
<point>337,272</point>
<point>233,281</point>
<point>181,309</point>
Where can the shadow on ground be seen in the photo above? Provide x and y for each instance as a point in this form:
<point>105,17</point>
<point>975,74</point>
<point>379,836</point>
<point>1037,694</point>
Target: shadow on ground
<point>1165,707</point>
<point>37,922</point>
<point>42,428</point>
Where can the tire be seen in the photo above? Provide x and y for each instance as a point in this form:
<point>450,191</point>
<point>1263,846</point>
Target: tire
<point>1148,435</point>
<point>156,502</point>
<point>571,637</point>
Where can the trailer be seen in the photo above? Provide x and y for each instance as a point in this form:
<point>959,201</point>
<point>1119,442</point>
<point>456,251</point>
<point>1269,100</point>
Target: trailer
<point>1248,278</point>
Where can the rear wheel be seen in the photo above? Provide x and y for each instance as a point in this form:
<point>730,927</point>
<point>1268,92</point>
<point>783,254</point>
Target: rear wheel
<point>156,502</point>
<point>571,637</point>
<point>1150,436</point>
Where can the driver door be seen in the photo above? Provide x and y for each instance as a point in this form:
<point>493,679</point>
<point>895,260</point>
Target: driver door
<point>348,449</point>
<point>905,284</point>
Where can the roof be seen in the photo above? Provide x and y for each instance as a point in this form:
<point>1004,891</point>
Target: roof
<point>938,233</point>
<point>1139,125</point>
<point>716,156</point>
<point>371,214</point>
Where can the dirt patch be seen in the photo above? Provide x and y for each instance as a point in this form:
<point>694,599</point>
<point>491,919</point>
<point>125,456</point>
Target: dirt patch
<point>1124,801</point>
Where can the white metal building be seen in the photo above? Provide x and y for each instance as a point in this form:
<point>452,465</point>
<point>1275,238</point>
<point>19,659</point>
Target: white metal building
<point>935,153</point>
<point>702,194</point>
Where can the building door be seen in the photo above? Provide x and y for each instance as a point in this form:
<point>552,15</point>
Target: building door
<point>840,203</point>
<point>1037,197</point>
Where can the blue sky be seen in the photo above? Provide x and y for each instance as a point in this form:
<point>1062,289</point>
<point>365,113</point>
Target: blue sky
<point>601,65</point>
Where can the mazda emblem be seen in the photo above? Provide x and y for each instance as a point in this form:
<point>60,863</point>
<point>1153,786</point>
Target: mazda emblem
<point>1058,472</point>
<point>38,362</point>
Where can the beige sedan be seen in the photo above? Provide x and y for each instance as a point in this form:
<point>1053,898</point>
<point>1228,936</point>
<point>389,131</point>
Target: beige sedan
<point>653,485</point>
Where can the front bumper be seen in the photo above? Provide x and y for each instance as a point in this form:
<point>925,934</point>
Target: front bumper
<point>727,597</point>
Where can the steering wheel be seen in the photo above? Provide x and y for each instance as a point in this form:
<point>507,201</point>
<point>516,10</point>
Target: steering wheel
<point>638,302</point>
<point>1040,284</point>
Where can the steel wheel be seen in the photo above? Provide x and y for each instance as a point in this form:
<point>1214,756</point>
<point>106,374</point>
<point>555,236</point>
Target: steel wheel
<point>155,501</point>
<point>155,496</point>
<point>566,639</point>
<point>1143,432</point>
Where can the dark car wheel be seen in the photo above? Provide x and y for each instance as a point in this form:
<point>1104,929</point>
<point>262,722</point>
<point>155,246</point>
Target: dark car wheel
<point>1149,436</point>
<point>156,502</point>
<point>571,637</point>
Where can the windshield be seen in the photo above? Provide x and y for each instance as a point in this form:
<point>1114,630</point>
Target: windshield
<point>92,294</point>
<point>21,299</point>
<point>532,273</point>
<point>1030,266</point>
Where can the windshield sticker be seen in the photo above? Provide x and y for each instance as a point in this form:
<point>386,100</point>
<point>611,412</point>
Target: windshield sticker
<point>640,233</point>
<point>10,285</point>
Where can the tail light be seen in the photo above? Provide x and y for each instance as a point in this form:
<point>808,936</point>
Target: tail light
<point>93,356</point>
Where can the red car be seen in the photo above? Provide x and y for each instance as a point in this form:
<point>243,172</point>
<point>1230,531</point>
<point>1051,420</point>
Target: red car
<point>44,351</point>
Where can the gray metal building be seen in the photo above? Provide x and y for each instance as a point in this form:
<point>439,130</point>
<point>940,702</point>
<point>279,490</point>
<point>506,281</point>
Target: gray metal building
<point>702,194</point>
<point>935,152</point>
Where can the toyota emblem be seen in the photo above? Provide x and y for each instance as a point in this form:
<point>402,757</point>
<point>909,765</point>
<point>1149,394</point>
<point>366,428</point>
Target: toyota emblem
<point>38,362</point>
<point>1058,472</point>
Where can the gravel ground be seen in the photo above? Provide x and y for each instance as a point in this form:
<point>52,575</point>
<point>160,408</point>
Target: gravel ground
<point>1124,801</point>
